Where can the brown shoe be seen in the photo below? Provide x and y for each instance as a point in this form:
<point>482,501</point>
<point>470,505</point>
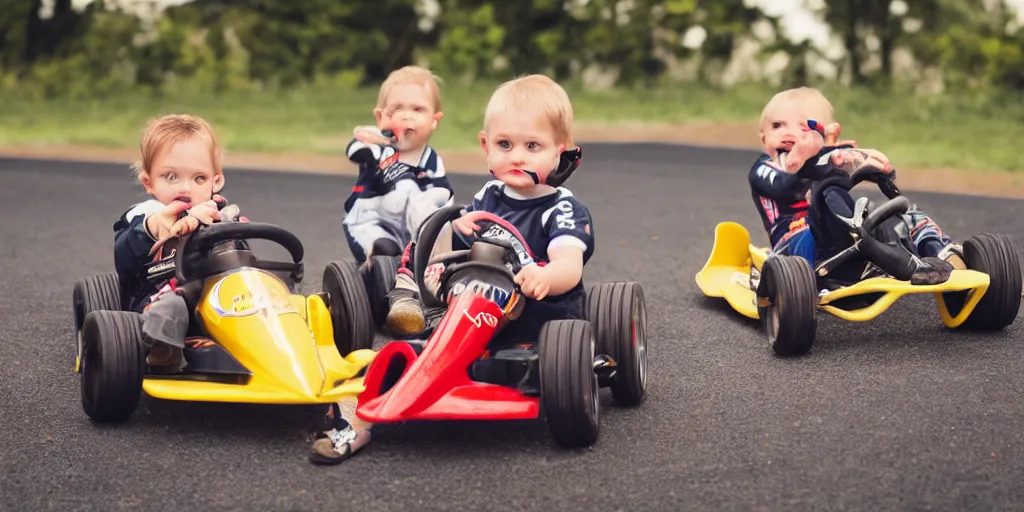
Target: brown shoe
<point>405,315</point>
<point>164,358</point>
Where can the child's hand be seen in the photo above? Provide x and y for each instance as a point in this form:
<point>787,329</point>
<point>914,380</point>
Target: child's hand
<point>534,281</point>
<point>180,228</point>
<point>160,222</point>
<point>808,145</point>
<point>465,226</point>
<point>852,159</point>
<point>206,212</point>
<point>832,132</point>
<point>370,135</point>
<point>165,225</point>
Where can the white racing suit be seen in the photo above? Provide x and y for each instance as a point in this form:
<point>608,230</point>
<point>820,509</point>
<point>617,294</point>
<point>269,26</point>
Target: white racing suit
<point>390,199</point>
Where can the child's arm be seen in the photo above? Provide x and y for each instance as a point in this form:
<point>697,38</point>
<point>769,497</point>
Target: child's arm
<point>133,239</point>
<point>773,183</point>
<point>570,231</point>
<point>560,275</point>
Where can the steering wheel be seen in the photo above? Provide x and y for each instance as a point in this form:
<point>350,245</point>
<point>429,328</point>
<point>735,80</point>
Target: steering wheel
<point>511,263</point>
<point>886,182</point>
<point>197,245</point>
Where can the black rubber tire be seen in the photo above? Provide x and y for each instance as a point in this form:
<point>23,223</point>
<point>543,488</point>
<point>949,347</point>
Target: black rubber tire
<point>349,306</point>
<point>95,293</point>
<point>568,383</point>
<point>380,280</point>
<point>790,322</point>
<point>993,255</point>
<point>113,364</point>
<point>618,313</point>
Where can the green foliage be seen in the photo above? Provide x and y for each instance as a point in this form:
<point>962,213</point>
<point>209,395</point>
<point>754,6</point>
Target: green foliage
<point>913,132</point>
<point>230,46</point>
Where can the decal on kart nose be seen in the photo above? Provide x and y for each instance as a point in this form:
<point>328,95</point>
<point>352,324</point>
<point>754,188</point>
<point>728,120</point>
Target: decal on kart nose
<point>247,302</point>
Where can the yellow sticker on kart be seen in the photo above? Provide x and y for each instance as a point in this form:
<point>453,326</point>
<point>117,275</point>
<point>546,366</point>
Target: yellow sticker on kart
<point>249,292</point>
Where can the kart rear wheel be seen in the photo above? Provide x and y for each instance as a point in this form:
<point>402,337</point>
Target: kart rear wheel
<point>113,364</point>
<point>993,255</point>
<point>95,293</point>
<point>380,280</point>
<point>568,382</point>
<point>790,304</point>
<point>349,305</point>
<point>618,314</point>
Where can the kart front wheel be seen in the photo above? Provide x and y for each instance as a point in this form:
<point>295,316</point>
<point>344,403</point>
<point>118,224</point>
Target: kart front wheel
<point>618,314</point>
<point>96,293</point>
<point>113,364</point>
<point>379,278</point>
<point>993,255</point>
<point>787,304</point>
<point>349,305</point>
<point>568,382</point>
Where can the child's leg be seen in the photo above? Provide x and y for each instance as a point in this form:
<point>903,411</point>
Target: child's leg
<point>349,435</point>
<point>405,312</point>
<point>369,239</point>
<point>164,327</point>
<point>798,241</point>
<point>894,259</point>
<point>423,204</point>
<point>929,240</point>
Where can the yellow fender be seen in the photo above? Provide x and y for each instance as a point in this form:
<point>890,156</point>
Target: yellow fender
<point>726,274</point>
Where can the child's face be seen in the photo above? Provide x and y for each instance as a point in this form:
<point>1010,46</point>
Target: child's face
<point>185,172</point>
<point>409,112</point>
<point>783,127</point>
<point>517,141</point>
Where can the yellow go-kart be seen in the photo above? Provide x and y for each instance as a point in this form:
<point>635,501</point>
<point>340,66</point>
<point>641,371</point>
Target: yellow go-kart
<point>260,341</point>
<point>785,293</point>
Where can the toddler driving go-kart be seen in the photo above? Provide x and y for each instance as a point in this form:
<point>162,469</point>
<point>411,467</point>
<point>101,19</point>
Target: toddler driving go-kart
<point>463,371</point>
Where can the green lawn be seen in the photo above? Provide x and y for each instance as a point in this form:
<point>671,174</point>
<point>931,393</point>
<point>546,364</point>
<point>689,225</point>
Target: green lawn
<point>937,131</point>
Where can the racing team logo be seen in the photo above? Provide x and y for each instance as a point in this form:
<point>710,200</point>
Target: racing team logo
<point>387,157</point>
<point>390,167</point>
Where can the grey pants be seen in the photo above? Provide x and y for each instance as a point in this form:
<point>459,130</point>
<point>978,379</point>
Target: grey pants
<point>165,321</point>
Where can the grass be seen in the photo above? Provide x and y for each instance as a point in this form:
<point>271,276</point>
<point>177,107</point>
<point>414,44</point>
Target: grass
<point>958,132</point>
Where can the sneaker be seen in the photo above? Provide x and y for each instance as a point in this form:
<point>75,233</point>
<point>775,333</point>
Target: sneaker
<point>954,255</point>
<point>405,313</point>
<point>336,445</point>
<point>931,271</point>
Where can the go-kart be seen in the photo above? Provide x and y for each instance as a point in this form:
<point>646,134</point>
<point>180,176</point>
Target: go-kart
<point>261,342</point>
<point>460,375</point>
<point>785,293</point>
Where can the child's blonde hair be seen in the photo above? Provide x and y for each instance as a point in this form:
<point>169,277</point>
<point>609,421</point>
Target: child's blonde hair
<point>411,75</point>
<point>810,97</point>
<point>168,130</point>
<point>536,92</point>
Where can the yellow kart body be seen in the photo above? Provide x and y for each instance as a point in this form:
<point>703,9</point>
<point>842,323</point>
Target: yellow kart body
<point>727,275</point>
<point>285,341</point>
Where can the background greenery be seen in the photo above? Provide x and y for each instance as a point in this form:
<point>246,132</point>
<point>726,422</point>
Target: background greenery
<point>931,82</point>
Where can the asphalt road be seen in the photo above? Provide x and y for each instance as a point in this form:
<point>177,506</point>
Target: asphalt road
<point>893,414</point>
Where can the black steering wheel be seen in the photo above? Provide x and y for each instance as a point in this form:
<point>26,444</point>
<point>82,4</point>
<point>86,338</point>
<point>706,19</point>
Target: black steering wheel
<point>483,253</point>
<point>192,260</point>
<point>886,182</point>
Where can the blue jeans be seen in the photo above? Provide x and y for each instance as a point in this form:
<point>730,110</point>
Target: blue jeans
<point>798,241</point>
